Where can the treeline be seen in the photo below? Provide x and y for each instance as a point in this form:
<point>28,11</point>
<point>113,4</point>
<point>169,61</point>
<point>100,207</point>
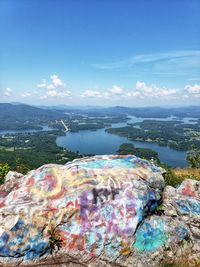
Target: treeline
<point>145,153</point>
<point>174,134</point>
<point>81,122</point>
<point>24,152</point>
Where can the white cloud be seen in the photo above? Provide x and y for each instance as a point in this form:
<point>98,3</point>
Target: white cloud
<point>8,92</point>
<point>116,90</point>
<point>53,89</point>
<point>25,94</point>
<point>193,89</point>
<point>115,93</point>
<point>131,94</point>
<point>135,94</point>
<point>142,90</point>
<point>54,93</point>
<point>91,93</point>
<point>50,87</point>
<point>145,91</point>
<point>43,84</point>
<point>140,85</point>
<point>56,82</point>
<point>155,91</point>
<point>189,57</point>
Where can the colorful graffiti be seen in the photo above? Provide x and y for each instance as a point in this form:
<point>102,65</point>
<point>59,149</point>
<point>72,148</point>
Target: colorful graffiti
<point>156,232</point>
<point>188,206</point>
<point>189,188</point>
<point>94,203</point>
<point>151,235</point>
<point>23,241</point>
<point>97,205</point>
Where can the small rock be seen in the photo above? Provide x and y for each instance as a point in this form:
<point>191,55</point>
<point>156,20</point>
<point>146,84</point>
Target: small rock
<point>12,175</point>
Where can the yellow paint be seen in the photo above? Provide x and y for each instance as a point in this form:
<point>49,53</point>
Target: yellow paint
<point>125,250</point>
<point>45,194</point>
<point>72,178</point>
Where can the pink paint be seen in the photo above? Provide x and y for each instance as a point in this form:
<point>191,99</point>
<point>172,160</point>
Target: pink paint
<point>188,190</point>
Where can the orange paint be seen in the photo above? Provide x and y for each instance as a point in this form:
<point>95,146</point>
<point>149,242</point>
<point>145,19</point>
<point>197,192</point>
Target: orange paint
<point>77,242</point>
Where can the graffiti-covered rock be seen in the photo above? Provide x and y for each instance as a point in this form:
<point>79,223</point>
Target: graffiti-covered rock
<point>183,203</point>
<point>96,211</point>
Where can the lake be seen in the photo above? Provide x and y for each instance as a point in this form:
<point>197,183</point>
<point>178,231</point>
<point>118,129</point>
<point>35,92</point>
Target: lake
<point>100,142</point>
<point>44,128</point>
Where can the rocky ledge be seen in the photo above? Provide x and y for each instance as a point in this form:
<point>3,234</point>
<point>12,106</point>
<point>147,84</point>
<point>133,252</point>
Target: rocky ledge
<point>98,211</point>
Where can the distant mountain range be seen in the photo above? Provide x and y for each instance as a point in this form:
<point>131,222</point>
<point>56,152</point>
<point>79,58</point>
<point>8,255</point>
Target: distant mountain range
<point>64,107</point>
<point>187,110</point>
<point>19,114</point>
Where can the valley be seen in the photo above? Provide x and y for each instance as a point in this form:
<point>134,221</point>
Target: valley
<point>39,137</point>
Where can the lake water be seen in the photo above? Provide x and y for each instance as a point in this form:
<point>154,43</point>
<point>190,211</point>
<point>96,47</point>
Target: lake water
<point>44,128</point>
<point>100,142</point>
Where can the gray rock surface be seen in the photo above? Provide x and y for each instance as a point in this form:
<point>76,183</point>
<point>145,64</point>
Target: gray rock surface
<point>12,175</point>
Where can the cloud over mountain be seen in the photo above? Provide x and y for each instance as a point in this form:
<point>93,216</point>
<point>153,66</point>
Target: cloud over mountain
<point>56,88</point>
<point>8,92</point>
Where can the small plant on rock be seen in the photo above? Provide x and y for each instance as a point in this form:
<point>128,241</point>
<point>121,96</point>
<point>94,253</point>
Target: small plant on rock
<point>55,241</point>
<point>4,169</point>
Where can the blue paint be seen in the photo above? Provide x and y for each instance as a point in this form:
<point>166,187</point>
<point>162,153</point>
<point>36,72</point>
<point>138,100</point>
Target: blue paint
<point>114,163</point>
<point>150,201</point>
<point>4,251</point>
<point>150,237</point>
<point>90,241</point>
<point>36,248</point>
<point>107,212</point>
<point>181,232</point>
<point>17,244</point>
<point>188,206</point>
<point>18,225</point>
<point>112,249</point>
<point>3,242</point>
<point>4,239</point>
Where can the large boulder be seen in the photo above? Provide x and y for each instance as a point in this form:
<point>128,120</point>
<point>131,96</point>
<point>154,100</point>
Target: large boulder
<point>95,211</point>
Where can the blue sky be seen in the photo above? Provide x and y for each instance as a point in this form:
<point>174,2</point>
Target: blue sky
<point>100,52</point>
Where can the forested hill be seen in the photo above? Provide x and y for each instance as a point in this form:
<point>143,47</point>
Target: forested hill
<point>21,116</point>
<point>24,112</point>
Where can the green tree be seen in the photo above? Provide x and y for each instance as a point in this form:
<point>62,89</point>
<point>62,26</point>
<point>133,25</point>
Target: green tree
<point>4,169</point>
<point>20,166</point>
<point>145,153</point>
<point>193,157</point>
